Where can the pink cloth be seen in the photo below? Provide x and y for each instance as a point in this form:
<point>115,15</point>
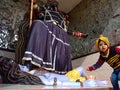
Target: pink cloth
<point>117,49</point>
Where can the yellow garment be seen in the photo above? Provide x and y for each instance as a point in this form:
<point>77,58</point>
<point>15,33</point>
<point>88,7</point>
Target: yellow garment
<point>75,75</point>
<point>104,39</point>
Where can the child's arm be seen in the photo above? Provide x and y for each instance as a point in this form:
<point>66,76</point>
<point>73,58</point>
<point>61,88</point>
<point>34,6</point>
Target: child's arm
<point>117,49</point>
<point>98,64</point>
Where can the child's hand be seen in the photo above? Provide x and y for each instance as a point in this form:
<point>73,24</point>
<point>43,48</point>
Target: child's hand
<point>90,68</point>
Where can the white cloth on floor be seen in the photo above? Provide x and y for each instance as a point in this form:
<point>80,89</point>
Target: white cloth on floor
<point>82,71</point>
<point>50,82</point>
<point>94,83</point>
<point>23,68</point>
<point>62,80</point>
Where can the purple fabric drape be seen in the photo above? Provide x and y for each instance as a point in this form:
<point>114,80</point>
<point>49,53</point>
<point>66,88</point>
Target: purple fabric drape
<point>48,47</point>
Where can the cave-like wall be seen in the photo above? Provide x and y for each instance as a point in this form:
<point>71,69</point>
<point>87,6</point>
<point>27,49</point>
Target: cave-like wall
<point>94,17</point>
<point>11,14</point>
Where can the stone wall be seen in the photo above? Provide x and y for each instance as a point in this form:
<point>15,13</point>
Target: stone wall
<point>90,16</point>
<point>11,14</point>
<point>94,17</point>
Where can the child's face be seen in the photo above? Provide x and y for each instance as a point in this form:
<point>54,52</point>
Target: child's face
<point>102,46</point>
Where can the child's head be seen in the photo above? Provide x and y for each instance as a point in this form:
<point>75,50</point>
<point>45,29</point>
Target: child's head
<point>102,43</point>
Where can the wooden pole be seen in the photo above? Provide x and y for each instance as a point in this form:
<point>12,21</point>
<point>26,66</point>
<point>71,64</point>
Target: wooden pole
<point>31,13</point>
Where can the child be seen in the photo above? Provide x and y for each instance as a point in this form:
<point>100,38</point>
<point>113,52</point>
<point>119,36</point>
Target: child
<point>111,55</point>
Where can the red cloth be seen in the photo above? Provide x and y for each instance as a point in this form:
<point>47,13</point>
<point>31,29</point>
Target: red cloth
<point>90,68</point>
<point>117,49</point>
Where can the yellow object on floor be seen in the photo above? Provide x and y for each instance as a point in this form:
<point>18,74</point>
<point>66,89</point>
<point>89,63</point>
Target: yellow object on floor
<point>74,75</point>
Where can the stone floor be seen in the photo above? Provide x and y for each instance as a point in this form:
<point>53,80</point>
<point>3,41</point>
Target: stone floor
<point>39,87</point>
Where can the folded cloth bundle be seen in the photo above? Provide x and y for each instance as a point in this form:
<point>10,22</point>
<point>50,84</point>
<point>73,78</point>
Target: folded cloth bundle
<point>12,74</point>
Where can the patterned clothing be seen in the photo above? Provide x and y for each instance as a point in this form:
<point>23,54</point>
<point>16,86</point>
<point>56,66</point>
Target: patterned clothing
<point>56,18</point>
<point>113,59</point>
<point>47,45</point>
<point>111,55</point>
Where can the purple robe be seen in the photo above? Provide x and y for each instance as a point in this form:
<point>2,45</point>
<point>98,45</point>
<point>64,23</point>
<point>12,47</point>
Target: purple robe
<point>48,47</point>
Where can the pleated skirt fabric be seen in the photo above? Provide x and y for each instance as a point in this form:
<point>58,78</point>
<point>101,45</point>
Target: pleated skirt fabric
<point>48,47</point>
